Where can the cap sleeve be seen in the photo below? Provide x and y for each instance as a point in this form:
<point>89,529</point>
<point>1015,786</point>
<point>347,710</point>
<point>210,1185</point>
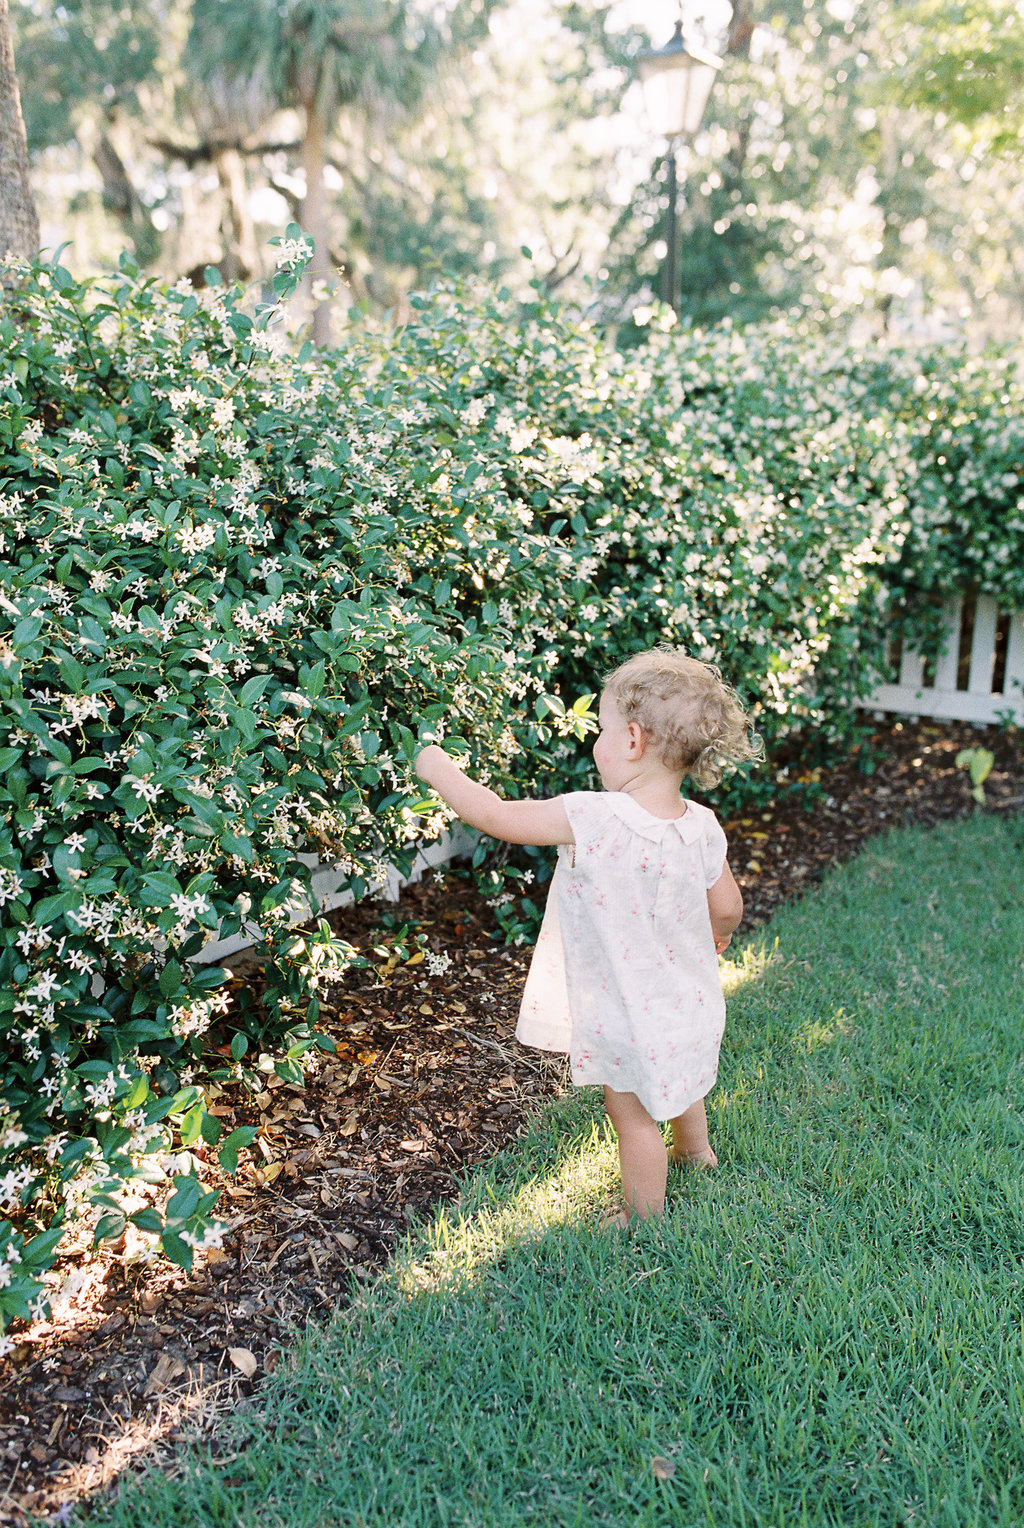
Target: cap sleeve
<point>713,848</point>
<point>588,813</point>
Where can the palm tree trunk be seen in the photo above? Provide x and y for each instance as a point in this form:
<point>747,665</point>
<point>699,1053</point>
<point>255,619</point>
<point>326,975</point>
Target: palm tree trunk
<point>314,220</point>
<point>19,220</point>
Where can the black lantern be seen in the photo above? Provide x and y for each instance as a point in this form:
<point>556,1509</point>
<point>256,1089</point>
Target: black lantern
<point>677,82</point>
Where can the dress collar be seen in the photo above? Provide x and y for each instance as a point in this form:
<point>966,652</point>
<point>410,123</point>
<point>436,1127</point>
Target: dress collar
<point>637,817</point>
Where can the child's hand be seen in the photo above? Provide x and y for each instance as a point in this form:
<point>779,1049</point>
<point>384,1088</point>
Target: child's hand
<point>722,943</point>
<point>427,762</point>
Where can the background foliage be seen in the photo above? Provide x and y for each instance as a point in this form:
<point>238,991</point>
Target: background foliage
<point>858,162</point>
<point>239,580</point>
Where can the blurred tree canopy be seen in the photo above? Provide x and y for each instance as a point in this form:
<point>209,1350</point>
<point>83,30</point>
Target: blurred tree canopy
<point>842,170</point>
<point>966,61</point>
<point>246,60</point>
<point>854,159</point>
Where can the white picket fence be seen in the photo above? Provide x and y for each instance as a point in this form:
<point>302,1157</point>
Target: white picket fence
<point>978,677</point>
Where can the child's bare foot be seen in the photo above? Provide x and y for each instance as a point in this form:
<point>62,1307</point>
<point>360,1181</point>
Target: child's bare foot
<point>615,1220</point>
<point>703,1158</point>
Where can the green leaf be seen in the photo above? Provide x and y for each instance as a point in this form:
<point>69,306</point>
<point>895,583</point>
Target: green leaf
<point>73,674</point>
<point>289,1071</point>
<point>183,1202</point>
<point>253,688</point>
<point>38,1252</point>
<point>190,1130</point>
<point>211,1129</point>
<point>137,1093</point>
<point>25,633</point>
<point>147,1220</point>
<point>110,1226</point>
<point>169,980</point>
<point>93,1071</point>
<point>177,1250</point>
<point>244,1135</point>
<point>313,680</point>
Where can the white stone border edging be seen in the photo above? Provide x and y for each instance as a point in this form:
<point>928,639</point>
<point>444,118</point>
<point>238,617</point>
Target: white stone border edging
<point>332,892</point>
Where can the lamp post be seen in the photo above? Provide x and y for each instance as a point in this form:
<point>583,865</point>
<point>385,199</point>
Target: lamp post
<point>676,81</point>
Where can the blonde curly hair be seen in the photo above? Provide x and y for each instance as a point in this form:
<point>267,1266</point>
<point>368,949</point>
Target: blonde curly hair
<point>693,719</point>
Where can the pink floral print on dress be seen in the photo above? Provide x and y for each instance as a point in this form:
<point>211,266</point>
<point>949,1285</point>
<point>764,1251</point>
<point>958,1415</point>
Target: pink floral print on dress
<point>625,975</point>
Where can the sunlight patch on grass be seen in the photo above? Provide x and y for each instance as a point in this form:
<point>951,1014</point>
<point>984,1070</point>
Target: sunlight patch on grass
<point>460,1244</point>
<point>747,965</point>
<point>815,1034</point>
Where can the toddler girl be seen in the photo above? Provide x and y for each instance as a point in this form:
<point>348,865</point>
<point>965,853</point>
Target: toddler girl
<point>625,974</point>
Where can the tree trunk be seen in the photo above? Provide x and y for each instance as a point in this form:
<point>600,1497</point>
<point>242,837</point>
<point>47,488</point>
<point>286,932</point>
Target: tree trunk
<point>121,198</point>
<point>741,33</point>
<point>241,258</point>
<point>19,220</point>
<point>314,220</point>
<point>741,30</point>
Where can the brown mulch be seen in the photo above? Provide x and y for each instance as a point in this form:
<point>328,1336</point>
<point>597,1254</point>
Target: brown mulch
<point>427,1080</point>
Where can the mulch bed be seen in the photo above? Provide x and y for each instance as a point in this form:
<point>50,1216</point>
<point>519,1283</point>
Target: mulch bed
<point>427,1080</point>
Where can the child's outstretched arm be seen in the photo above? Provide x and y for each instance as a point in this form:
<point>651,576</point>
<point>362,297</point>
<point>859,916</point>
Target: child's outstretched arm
<point>515,822</point>
<point>725,904</point>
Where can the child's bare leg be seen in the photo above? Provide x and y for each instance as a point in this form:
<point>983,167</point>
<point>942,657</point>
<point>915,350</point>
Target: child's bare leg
<point>690,1137</point>
<point>642,1155</point>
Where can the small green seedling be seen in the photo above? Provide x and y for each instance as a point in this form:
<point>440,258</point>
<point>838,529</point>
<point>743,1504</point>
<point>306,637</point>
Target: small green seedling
<point>978,762</point>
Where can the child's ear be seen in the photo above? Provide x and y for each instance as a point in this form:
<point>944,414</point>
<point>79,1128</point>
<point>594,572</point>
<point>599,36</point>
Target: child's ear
<point>637,741</point>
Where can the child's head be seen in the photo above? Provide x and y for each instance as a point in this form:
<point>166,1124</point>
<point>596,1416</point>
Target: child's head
<point>689,716</point>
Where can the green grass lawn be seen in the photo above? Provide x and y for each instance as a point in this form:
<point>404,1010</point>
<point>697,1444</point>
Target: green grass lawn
<point>826,1331</point>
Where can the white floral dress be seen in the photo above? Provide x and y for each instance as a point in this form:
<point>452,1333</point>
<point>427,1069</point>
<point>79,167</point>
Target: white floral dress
<point>625,974</point>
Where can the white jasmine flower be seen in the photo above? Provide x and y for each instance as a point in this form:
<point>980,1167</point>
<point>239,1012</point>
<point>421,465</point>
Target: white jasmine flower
<point>146,790</point>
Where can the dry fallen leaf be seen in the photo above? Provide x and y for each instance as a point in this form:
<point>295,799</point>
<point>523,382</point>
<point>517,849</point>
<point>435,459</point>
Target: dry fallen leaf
<point>244,1361</point>
<point>663,1469</point>
<point>164,1370</point>
<point>350,1124</point>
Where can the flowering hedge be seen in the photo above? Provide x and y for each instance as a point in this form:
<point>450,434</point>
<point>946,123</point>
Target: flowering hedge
<point>238,581</point>
<point>762,498</point>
